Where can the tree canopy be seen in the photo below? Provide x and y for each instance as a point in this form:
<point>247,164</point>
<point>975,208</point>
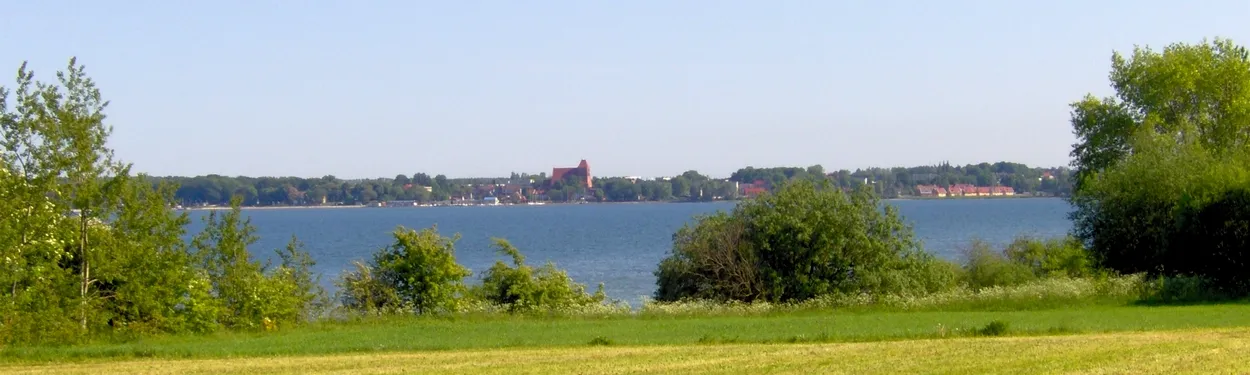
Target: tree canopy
<point>1167,157</point>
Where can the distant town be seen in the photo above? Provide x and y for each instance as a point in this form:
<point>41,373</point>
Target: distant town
<point>577,184</point>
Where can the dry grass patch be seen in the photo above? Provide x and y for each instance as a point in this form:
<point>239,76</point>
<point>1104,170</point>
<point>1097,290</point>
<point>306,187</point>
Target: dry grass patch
<point>1167,352</point>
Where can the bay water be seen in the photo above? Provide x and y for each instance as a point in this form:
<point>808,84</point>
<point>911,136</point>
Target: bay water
<point>616,244</point>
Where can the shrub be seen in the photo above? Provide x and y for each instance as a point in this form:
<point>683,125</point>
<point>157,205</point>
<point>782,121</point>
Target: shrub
<point>1052,257</point>
<point>994,328</point>
<point>984,267</point>
<point>417,272</point>
<point>1181,290</point>
<point>803,241</point>
<point>521,287</point>
<point>302,298</point>
<point>359,290</point>
<point>710,260</point>
<point>248,294</point>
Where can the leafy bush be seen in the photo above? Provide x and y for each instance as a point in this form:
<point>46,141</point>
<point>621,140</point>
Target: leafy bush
<point>418,272</point>
<point>984,267</point>
<point>711,260</point>
<point>521,287</point>
<point>295,293</point>
<point>803,241</point>
<point>361,291</point>
<point>1052,257</point>
<point>249,294</point>
<point>1025,259</point>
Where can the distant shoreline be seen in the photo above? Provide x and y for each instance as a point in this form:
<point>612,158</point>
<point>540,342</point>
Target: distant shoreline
<point>215,208</point>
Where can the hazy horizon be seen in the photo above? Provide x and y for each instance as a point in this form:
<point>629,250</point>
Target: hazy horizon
<point>648,88</point>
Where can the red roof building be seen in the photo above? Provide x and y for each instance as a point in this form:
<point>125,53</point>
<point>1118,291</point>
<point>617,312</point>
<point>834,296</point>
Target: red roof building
<point>582,170</point>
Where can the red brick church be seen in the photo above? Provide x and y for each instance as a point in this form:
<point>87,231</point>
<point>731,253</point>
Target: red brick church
<point>582,170</point>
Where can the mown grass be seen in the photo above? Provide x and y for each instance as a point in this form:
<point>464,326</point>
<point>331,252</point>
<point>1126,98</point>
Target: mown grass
<point>1169,352</point>
<point>471,333</point>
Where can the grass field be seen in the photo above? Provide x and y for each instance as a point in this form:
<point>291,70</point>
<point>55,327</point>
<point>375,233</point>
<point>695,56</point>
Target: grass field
<point>1163,352</point>
<point>412,334</point>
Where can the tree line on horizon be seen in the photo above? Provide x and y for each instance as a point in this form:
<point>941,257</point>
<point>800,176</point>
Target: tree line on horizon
<point>688,186</point>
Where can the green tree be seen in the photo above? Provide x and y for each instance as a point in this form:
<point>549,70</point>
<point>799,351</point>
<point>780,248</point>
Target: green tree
<point>221,252</point>
<point>1174,141</point>
<point>421,268</point>
<point>680,187</point>
<point>83,241</point>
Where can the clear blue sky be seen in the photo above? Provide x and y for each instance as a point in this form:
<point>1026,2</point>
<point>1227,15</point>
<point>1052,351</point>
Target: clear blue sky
<point>650,88</point>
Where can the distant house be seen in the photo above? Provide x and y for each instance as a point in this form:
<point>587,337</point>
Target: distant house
<point>983,191</point>
<point>754,189</point>
<point>931,191</point>
<point>582,170</point>
<point>1003,191</point>
<point>962,190</point>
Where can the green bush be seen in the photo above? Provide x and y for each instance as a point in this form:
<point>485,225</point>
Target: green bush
<point>805,240</point>
<point>1025,259</point>
<point>1051,257</point>
<point>248,294</point>
<point>521,287</point>
<point>994,328</point>
<point>984,267</point>
<point>1182,290</point>
<point>710,260</point>
<point>359,290</point>
<point>418,273</point>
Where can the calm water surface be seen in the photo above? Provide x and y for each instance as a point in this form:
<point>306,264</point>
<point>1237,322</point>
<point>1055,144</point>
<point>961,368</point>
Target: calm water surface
<point>616,244</point>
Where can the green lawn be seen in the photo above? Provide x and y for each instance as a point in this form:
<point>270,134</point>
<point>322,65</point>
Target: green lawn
<point>414,334</point>
<point>1202,351</point>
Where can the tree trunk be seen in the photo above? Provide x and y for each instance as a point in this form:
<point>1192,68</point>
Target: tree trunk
<point>86,271</point>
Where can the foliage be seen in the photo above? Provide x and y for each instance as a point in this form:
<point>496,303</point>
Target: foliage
<point>1023,260</point>
<point>306,300</point>
<point>710,260</point>
<point>984,267</point>
<point>521,287</point>
<point>1049,293</point>
<point>86,247</point>
<point>250,294</point>
<point>360,290</point>
<point>1162,166</point>
<point>812,240</point>
<point>1051,257</point>
<point>418,270</point>
<point>806,240</point>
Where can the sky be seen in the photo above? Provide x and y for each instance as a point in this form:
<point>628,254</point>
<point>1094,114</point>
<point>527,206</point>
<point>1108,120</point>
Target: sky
<point>637,88</point>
